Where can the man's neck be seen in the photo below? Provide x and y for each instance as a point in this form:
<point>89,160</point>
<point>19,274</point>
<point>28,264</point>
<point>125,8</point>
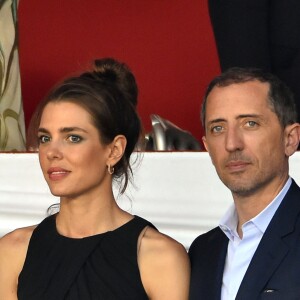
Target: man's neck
<point>249,206</point>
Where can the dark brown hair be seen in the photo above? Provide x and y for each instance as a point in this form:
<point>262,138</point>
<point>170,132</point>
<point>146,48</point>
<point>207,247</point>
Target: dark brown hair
<point>109,94</point>
<point>280,97</point>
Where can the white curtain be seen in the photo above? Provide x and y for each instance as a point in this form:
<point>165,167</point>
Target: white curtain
<point>12,127</point>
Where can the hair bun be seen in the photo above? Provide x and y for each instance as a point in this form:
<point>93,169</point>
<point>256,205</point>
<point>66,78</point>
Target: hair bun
<point>119,74</point>
<point>107,69</point>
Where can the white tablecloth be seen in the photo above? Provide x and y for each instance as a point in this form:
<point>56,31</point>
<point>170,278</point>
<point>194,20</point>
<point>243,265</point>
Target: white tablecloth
<point>179,192</point>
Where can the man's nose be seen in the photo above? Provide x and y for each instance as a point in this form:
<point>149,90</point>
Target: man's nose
<point>234,140</point>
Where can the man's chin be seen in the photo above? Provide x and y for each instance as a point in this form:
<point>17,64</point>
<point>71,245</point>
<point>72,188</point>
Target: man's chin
<point>240,187</point>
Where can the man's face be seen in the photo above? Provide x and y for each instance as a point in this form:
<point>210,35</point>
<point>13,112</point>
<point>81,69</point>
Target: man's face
<point>244,138</point>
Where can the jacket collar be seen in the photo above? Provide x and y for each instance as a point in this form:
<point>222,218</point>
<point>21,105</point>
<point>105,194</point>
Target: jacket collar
<point>273,246</point>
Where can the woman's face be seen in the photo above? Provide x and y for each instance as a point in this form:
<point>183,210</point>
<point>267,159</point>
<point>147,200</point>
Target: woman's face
<point>72,158</point>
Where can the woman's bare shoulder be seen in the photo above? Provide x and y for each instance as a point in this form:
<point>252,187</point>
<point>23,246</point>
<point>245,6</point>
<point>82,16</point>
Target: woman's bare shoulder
<point>13,249</point>
<point>16,239</point>
<point>164,266</point>
<point>162,249</point>
<point>13,246</point>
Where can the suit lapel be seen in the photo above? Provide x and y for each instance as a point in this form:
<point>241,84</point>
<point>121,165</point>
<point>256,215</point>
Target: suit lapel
<point>267,257</point>
<point>217,257</point>
<point>208,267</point>
<point>273,246</point>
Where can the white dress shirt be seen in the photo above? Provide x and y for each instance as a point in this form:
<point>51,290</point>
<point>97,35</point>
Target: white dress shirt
<point>240,251</point>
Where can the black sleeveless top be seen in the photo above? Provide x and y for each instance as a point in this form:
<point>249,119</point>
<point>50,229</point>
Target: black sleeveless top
<point>102,266</point>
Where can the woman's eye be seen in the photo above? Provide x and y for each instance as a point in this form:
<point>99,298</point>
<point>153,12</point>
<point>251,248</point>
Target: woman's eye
<point>74,138</point>
<point>43,139</point>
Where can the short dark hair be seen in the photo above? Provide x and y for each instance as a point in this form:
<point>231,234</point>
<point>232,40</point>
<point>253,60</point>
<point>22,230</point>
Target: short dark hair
<point>280,97</point>
<point>109,94</point>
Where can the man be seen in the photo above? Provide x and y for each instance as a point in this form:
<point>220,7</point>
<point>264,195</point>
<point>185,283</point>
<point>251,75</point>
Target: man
<point>250,131</point>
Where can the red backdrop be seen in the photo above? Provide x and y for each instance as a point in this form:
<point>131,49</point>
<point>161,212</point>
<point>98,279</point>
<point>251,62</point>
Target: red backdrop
<point>168,44</point>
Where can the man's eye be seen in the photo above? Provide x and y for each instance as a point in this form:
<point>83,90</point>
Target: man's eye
<point>74,138</point>
<point>251,124</point>
<point>217,129</point>
<point>44,139</point>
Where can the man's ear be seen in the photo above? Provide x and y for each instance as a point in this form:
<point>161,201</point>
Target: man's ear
<point>117,149</point>
<point>207,148</point>
<point>204,143</point>
<point>292,138</point>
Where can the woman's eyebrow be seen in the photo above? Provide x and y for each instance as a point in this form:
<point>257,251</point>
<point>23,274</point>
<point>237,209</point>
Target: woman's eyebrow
<point>63,129</point>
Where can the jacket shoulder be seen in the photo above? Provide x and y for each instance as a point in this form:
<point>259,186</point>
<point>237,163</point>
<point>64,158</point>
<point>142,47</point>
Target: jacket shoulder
<point>207,240</point>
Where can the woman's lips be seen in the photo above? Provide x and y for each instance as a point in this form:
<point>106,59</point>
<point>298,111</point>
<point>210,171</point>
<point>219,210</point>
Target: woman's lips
<point>57,173</point>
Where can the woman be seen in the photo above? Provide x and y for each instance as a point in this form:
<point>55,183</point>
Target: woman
<point>87,129</point>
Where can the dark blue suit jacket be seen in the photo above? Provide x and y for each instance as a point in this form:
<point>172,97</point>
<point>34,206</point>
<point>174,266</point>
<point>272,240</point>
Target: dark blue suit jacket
<point>274,271</point>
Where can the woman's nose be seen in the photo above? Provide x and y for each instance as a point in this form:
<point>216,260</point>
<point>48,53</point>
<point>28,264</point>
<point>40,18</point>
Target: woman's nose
<point>54,151</point>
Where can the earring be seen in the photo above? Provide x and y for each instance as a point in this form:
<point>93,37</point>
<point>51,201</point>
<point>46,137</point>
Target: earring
<point>110,169</point>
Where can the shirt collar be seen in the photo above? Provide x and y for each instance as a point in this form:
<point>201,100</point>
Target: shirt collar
<point>229,221</point>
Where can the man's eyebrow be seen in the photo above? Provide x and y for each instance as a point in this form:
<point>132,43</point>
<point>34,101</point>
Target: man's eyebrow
<point>215,121</point>
<point>63,129</point>
<point>242,116</point>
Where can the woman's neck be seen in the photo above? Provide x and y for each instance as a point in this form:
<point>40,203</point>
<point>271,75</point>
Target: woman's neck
<point>79,218</point>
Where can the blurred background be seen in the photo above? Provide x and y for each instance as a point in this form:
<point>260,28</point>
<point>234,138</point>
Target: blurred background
<point>168,44</point>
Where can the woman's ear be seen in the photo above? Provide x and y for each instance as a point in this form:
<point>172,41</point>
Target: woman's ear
<point>117,149</point>
<point>292,136</point>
